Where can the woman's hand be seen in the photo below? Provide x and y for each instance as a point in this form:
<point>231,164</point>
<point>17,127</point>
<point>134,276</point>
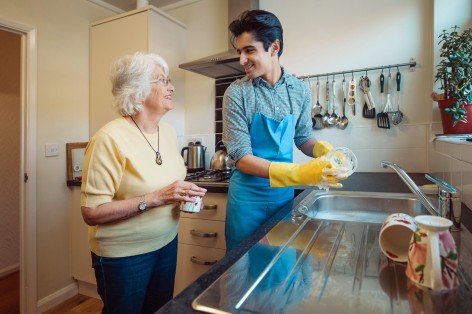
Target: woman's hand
<point>119,210</point>
<point>179,191</point>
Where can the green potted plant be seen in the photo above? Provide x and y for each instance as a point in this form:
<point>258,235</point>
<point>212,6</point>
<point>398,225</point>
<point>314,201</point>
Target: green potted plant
<point>455,74</point>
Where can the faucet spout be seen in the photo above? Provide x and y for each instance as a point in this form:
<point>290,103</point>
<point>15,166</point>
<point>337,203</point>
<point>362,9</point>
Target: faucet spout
<point>411,185</point>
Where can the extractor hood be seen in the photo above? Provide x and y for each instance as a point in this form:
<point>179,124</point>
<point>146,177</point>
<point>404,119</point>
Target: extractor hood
<point>224,64</point>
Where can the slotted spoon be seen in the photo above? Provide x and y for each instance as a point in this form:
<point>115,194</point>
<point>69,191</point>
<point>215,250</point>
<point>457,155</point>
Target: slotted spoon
<point>397,116</point>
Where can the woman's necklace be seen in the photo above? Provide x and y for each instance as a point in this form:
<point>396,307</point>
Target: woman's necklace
<point>158,155</point>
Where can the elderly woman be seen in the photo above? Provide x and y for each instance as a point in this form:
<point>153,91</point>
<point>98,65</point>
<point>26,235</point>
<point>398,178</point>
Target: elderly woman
<point>132,185</point>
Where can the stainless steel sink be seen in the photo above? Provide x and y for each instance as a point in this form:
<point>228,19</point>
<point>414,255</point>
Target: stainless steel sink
<point>325,258</point>
<point>368,207</point>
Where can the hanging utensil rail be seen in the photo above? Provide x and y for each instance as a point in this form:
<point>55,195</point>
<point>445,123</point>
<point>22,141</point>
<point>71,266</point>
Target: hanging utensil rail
<point>411,64</point>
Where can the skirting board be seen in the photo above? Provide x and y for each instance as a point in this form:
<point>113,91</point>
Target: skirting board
<point>88,289</point>
<point>57,297</point>
<point>9,270</point>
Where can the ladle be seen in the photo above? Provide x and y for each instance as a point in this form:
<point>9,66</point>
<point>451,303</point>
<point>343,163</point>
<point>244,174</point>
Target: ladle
<point>397,116</point>
<point>327,116</point>
<point>344,120</point>
<point>334,119</point>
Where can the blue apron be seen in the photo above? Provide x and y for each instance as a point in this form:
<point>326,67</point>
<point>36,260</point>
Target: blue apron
<point>251,200</point>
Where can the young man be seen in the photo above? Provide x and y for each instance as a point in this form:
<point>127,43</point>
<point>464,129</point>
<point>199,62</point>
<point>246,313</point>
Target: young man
<point>264,113</point>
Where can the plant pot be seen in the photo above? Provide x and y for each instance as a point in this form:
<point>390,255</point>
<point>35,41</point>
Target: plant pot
<point>447,122</point>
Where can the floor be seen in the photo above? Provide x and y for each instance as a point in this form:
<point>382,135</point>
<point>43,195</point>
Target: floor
<point>10,293</point>
<point>77,305</point>
<point>10,300</point>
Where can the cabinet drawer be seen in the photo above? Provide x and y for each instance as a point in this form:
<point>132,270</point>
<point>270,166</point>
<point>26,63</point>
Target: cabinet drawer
<point>215,207</point>
<point>201,232</point>
<point>192,262</point>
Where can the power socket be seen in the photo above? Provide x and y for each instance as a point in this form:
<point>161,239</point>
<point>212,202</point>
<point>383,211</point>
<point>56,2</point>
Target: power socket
<point>51,150</point>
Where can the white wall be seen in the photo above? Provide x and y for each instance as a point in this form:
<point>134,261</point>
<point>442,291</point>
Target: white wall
<point>205,36</point>
<point>62,116</point>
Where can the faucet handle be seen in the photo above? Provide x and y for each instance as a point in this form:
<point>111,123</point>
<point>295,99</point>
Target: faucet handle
<point>442,185</point>
<point>450,205</point>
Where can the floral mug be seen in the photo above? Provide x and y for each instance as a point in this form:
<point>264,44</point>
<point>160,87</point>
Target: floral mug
<point>432,255</point>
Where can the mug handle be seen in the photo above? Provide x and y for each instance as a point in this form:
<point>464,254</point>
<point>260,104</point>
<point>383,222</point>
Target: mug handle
<point>435,258</point>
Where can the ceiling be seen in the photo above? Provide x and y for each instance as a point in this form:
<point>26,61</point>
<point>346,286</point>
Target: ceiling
<point>127,5</point>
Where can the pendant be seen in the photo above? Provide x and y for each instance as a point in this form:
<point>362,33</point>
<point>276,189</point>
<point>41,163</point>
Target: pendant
<point>158,158</point>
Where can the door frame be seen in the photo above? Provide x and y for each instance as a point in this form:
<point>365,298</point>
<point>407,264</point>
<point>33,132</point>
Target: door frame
<point>28,264</point>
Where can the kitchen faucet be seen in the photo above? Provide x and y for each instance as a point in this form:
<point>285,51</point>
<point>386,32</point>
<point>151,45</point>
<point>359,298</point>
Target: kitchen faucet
<point>449,202</point>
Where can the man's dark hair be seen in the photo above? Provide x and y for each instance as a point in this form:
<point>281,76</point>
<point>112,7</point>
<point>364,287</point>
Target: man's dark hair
<point>263,25</point>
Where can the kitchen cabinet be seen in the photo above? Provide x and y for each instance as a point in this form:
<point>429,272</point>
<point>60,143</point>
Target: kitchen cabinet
<point>201,240</point>
<point>149,30</point>
<point>146,29</point>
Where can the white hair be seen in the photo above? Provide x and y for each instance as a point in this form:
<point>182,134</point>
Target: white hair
<point>130,80</point>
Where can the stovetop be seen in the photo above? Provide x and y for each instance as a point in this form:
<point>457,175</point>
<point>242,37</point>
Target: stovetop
<point>208,176</point>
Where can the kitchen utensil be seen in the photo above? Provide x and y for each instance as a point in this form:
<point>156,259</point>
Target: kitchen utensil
<point>368,111</point>
<point>195,159</point>
<point>383,121</point>
<point>334,118</point>
<point>326,116</point>
<point>343,122</point>
<point>317,107</point>
<point>388,105</point>
<point>221,161</point>
<point>382,81</point>
<point>397,116</point>
<point>368,94</point>
<point>351,95</point>
<point>313,113</point>
<point>318,117</point>
<point>432,256</point>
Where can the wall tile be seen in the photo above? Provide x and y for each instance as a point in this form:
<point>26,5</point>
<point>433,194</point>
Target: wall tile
<point>454,171</point>
<point>467,184</point>
<point>437,164</point>
<point>401,136</point>
<point>452,149</point>
<point>466,153</point>
<point>411,160</point>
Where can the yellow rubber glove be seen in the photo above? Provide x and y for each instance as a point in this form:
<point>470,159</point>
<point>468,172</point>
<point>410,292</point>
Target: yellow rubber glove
<point>314,172</point>
<point>321,148</point>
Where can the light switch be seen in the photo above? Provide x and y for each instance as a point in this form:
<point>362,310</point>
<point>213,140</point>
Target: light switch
<point>52,150</point>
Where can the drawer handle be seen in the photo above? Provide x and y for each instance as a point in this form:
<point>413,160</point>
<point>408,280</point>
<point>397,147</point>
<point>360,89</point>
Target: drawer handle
<point>203,234</point>
<point>210,207</point>
<point>200,261</point>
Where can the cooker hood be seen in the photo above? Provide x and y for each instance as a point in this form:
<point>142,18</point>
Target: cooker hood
<point>224,64</point>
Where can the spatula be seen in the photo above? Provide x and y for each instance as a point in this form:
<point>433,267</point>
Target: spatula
<point>382,117</point>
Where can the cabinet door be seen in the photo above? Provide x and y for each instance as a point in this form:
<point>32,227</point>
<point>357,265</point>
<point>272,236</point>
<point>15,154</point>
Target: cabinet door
<point>108,41</point>
<point>202,232</point>
<point>192,262</point>
<point>215,207</point>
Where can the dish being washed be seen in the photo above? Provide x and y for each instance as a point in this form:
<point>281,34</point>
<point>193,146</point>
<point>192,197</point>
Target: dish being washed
<point>342,159</point>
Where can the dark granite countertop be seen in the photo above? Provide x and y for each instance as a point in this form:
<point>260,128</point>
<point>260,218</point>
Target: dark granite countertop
<point>368,182</point>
